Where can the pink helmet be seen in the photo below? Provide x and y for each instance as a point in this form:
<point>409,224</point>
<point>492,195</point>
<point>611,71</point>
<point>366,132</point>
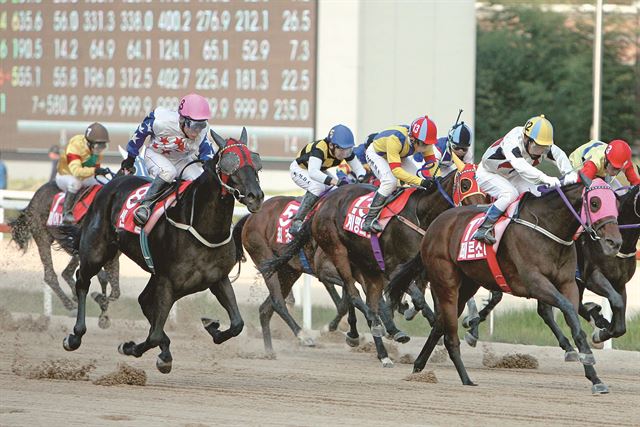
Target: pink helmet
<point>194,107</point>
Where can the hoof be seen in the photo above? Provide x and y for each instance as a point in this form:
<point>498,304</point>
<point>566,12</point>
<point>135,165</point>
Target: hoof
<point>121,349</point>
<point>471,383</point>
<point>469,339</point>
<point>126,347</point>
<point>386,362</point>
<point>163,367</point>
<point>587,358</point>
<point>352,342</point>
<point>417,370</point>
<point>465,322</point>
<point>571,356</point>
<point>596,341</point>
<point>104,322</point>
<point>401,337</point>
<point>410,313</point>
<point>71,343</point>
<point>307,342</point>
<point>600,388</point>
<point>378,331</point>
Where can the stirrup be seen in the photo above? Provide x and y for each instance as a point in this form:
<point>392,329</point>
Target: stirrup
<point>372,227</point>
<point>296,226</point>
<point>484,235</point>
<point>141,215</point>
<point>68,219</point>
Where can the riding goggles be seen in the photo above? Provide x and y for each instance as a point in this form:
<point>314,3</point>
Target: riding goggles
<point>342,153</point>
<point>195,125</point>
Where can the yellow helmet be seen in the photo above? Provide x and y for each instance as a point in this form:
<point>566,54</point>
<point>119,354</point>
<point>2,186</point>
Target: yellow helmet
<point>540,130</point>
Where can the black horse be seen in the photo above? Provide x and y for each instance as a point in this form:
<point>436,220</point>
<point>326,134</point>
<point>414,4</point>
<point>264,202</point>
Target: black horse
<point>186,261</point>
<point>32,222</point>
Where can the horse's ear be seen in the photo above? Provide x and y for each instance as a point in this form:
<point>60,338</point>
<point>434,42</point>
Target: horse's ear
<point>243,135</point>
<point>586,181</point>
<point>220,142</point>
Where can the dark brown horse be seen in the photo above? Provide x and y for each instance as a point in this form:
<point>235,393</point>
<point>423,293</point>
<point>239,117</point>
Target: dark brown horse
<point>352,255</point>
<point>535,265</point>
<point>259,238</point>
<point>196,256</point>
<point>32,222</point>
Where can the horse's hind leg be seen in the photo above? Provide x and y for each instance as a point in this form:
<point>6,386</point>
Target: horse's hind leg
<point>112,269</point>
<point>109,274</point>
<point>386,314</point>
<point>69,272</point>
<point>599,284</point>
<point>50,277</point>
<point>266,312</point>
<point>83,280</point>
<point>545,311</point>
<point>419,302</point>
<point>155,301</point>
<point>224,293</point>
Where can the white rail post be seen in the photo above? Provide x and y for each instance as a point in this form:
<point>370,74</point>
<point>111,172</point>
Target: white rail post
<point>1,213</point>
<point>606,312</point>
<point>491,323</point>
<point>306,302</point>
<point>47,301</point>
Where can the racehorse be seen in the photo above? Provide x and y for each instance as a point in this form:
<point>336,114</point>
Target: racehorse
<point>188,258</point>
<point>32,222</point>
<point>352,254</point>
<point>536,256</point>
<point>604,275</point>
<point>260,239</point>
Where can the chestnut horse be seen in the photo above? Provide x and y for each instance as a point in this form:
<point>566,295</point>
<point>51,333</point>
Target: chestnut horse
<point>352,254</point>
<point>536,255</point>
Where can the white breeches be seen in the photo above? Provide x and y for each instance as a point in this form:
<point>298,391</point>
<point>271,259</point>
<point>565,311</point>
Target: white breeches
<point>302,179</point>
<point>168,168</point>
<point>74,184</point>
<point>504,190</point>
<point>381,169</point>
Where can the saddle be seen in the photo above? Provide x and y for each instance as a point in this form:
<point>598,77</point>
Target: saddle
<point>83,200</point>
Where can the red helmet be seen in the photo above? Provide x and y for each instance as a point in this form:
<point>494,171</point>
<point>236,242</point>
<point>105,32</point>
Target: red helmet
<point>424,129</point>
<point>618,153</point>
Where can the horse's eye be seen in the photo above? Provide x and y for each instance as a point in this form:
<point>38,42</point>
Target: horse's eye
<point>465,185</point>
<point>595,204</point>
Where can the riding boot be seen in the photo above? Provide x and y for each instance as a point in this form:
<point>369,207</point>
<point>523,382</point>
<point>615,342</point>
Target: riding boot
<point>143,212</point>
<point>370,222</point>
<point>485,231</point>
<point>67,208</point>
<point>308,201</point>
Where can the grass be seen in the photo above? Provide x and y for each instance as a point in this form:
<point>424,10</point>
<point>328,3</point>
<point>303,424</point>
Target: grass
<point>516,326</point>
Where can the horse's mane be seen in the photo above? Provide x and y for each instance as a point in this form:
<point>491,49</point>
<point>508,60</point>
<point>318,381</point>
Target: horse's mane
<point>629,195</point>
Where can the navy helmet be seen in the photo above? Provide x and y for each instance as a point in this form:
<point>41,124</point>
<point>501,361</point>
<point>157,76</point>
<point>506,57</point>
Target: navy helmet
<point>341,136</point>
<point>460,135</point>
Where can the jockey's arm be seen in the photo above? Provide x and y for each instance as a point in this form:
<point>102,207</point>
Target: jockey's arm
<point>631,174</point>
<point>395,162</point>
<point>355,165</point>
<point>560,159</point>
<point>205,149</point>
<point>74,163</point>
<point>315,172</point>
<point>513,154</point>
<point>589,169</point>
<point>140,135</point>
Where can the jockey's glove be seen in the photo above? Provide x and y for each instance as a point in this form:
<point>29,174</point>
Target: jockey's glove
<point>551,181</point>
<point>101,171</point>
<point>127,164</point>
<point>361,178</point>
<point>342,182</point>
<point>428,183</point>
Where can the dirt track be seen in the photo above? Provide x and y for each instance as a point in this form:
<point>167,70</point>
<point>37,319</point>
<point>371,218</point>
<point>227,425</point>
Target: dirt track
<point>234,384</point>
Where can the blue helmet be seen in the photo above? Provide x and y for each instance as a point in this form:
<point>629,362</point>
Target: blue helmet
<point>460,135</point>
<point>341,136</point>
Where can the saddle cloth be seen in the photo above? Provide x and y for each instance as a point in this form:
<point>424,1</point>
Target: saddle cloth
<point>80,207</point>
<point>285,220</point>
<point>125,221</point>
<point>360,206</point>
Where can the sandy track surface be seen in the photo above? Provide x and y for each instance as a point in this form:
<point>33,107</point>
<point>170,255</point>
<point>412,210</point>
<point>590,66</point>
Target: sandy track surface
<point>234,384</point>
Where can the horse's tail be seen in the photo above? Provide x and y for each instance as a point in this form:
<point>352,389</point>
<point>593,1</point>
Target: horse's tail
<point>237,238</point>
<point>270,266</point>
<point>402,279</point>
<point>68,238</point>
<point>21,230</point>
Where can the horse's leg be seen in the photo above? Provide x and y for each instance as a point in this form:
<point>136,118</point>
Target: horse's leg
<point>224,293</point>
<point>286,283</point>
<point>374,285</point>
<point>112,268</point>
<point>419,303</point>
<point>50,277</point>
<point>69,272</point>
<point>545,311</point>
<point>342,307</point>
<point>472,313</point>
<point>155,301</point>
<point>87,270</point>
<point>437,331</point>
<point>335,296</point>
<point>266,312</point>
<point>599,284</point>
<point>473,334</point>
<point>352,338</point>
<point>386,314</point>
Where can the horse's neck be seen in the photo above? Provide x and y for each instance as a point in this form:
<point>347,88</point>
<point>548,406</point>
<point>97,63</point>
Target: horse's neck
<point>213,213</point>
<point>429,206</point>
<point>551,213</point>
<point>629,235</point>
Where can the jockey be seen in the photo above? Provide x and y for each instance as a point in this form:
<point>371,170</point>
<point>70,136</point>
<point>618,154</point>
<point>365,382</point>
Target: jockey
<point>507,168</point>
<point>599,159</point>
<point>80,164</point>
<point>177,138</point>
<point>390,157</point>
<point>308,169</point>
<point>457,142</point>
